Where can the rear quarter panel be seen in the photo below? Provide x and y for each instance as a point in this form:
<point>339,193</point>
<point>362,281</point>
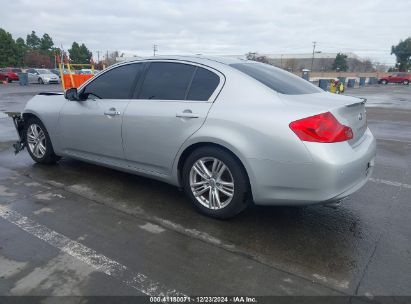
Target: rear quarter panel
<point>251,121</point>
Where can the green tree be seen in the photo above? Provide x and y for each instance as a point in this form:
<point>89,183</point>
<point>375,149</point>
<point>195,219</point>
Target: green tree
<point>79,53</point>
<point>21,50</point>
<point>340,62</point>
<point>46,44</point>
<point>7,49</point>
<point>33,41</point>
<point>402,52</point>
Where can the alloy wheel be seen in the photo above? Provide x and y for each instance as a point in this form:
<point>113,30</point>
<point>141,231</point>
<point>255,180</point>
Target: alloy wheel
<point>211,183</point>
<point>36,140</point>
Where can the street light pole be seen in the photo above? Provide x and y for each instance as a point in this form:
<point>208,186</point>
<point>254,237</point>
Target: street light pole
<point>155,49</point>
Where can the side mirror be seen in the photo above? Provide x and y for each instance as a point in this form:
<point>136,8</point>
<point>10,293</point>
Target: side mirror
<point>71,94</point>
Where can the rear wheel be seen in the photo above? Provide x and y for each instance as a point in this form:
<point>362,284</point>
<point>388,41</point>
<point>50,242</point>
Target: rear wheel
<point>216,182</point>
<point>38,142</point>
<point>8,80</point>
<point>384,81</point>
<point>406,82</point>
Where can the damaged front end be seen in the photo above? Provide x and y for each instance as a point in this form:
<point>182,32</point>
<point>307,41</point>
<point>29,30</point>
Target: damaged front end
<point>19,124</point>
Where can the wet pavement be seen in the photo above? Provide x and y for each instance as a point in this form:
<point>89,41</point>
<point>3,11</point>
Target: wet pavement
<point>76,228</point>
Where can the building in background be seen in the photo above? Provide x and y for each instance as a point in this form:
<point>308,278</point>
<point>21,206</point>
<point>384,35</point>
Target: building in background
<point>322,62</point>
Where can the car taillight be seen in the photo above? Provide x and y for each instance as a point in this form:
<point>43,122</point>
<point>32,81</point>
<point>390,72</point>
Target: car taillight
<point>323,128</point>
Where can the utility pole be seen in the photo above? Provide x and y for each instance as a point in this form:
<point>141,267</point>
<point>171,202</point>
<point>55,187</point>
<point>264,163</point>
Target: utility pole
<point>98,56</point>
<point>155,49</point>
<point>312,59</point>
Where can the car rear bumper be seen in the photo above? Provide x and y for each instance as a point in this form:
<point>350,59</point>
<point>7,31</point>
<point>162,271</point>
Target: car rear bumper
<point>336,171</point>
<point>52,81</point>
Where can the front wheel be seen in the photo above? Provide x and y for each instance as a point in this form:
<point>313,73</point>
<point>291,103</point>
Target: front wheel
<point>384,81</point>
<point>38,142</point>
<point>216,182</point>
<point>406,82</point>
<point>40,81</point>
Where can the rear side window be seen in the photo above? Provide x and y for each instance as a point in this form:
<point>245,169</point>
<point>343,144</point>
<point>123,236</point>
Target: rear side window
<point>277,79</point>
<point>166,81</point>
<point>115,83</point>
<point>203,85</point>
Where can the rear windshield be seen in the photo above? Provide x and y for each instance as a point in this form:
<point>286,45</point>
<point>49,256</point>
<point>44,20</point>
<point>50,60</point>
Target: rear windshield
<point>277,79</point>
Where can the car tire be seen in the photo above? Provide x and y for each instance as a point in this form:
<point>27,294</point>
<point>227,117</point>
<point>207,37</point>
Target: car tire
<point>384,82</point>
<point>40,81</point>
<point>406,82</point>
<point>38,143</point>
<point>216,182</point>
<point>8,80</point>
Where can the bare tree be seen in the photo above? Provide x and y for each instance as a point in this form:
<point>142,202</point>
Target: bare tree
<point>112,58</point>
<point>255,57</point>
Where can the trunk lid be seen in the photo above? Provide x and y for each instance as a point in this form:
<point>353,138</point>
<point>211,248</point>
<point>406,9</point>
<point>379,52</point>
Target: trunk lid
<point>349,111</point>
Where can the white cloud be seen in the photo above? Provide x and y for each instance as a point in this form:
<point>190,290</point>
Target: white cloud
<point>367,27</point>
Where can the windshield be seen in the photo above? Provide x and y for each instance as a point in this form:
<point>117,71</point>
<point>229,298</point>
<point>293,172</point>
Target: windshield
<point>43,72</point>
<point>277,79</point>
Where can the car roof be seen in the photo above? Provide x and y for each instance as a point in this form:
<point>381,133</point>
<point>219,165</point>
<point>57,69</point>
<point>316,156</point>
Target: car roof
<point>200,59</point>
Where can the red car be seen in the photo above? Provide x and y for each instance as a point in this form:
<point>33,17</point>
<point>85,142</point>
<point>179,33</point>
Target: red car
<point>10,74</point>
<point>401,77</point>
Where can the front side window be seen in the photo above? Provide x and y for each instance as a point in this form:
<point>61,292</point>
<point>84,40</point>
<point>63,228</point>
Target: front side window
<point>166,81</point>
<point>277,79</point>
<point>115,83</point>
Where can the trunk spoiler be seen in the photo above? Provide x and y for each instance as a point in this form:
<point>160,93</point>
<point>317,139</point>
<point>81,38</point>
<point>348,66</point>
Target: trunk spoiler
<point>362,102</point>
<point>19,125</point>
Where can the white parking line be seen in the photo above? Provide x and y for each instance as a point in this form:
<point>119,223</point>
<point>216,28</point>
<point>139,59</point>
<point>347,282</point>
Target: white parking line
<point>87,255</point>
<point>390,183</point>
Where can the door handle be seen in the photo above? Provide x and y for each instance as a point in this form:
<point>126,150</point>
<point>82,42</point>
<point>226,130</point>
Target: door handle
<point>187,114</point>
<point>112,112</point>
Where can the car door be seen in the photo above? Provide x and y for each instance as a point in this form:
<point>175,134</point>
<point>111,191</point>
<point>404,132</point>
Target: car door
<point>394,78</point>
<point>91,128</point>
<point>170,104</point>
<point>31,75</point>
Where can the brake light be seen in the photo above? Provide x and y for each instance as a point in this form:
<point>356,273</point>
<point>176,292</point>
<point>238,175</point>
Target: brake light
<point>323,128</point>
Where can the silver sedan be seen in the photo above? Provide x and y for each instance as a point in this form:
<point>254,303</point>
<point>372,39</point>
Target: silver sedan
<point>228,131</point>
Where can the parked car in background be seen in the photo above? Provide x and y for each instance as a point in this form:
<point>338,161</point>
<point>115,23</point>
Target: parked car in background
<point>10,74</point>
<point>227,131</point>
<point>401,77</point>
<point>55,72</point>
<point>42,76</point>
<point>2,76</point>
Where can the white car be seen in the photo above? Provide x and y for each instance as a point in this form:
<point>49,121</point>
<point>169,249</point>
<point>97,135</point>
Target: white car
<point>42,76</point>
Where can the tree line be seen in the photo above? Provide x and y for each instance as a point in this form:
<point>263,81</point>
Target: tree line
<point>37,51</point>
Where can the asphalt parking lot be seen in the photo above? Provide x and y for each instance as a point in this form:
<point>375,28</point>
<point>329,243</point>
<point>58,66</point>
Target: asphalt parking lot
<point>79,229</point>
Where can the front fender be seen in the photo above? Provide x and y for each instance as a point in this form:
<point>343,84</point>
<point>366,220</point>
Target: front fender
<point>47,109</point>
